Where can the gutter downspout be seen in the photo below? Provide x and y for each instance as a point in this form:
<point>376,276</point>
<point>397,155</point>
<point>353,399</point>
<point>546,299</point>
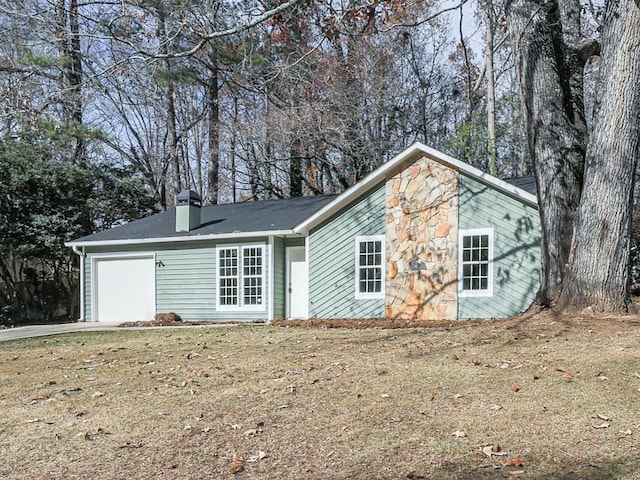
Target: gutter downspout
<point>82,254</point>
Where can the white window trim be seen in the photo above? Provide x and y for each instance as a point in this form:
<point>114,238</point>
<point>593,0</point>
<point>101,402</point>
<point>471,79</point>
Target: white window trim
<point>240,307</point>
<point>488,292</point>
<point>365,295</point>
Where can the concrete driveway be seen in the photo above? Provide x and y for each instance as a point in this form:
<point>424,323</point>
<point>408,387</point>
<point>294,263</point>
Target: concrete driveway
<point>45,330</point>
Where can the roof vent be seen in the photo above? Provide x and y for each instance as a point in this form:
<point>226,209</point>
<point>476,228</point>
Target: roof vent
<point>188,205</point>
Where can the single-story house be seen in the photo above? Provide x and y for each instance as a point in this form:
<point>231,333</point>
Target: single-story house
<point>424,236</point>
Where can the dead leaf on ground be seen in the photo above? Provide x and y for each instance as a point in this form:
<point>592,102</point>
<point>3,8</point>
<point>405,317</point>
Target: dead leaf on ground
<point>236,468</point>
<point>602,425</point>
<point>567,375</point>
<point>91,436</point>
<point>603,417</point>
<point>132,445</point>
<point>493,450</point>
<point>515,388</point>
<point>37,398</point>
<point>515,462</point>
<point>259,456</point>
<point>39,420</point>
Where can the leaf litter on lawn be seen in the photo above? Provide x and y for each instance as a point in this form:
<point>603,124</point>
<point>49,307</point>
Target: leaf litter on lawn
<point>325,403</point>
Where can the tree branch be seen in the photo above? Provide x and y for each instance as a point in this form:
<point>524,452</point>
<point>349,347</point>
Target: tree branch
<point>206,38</point>
<point>427,19</point>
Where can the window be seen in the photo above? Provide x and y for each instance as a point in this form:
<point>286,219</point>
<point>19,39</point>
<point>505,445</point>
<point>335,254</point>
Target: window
<point>240,277</point>
<point>252,275</point>
<point>476,263</point>
<point>370,267</point>
<point>228,276</point>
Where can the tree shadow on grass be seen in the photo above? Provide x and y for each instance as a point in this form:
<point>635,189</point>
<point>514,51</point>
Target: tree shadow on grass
<point>573,469</point>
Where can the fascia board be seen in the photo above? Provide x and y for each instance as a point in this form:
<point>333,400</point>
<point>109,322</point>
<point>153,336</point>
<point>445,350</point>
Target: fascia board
<point>192,238</point>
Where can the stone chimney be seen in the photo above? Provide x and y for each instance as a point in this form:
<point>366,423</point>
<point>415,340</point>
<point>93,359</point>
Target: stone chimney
<point>188,205</point>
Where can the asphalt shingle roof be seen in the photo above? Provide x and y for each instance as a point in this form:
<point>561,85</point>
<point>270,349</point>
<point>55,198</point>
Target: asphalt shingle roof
<point>261,216</point>
<point>526,183</point>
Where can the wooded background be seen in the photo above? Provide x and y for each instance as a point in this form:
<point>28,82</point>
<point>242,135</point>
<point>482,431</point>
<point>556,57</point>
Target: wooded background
<point>109,108</point>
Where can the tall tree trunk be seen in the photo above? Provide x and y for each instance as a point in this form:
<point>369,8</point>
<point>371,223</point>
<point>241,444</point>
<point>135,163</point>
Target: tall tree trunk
<point>492,160</point>
<point>232,152</point>
<point>295,168</point>
<point>170,94</point>
<point>554,125</point>
<point>68,39</point>
<point>599,269</point>
<point>213,98</point>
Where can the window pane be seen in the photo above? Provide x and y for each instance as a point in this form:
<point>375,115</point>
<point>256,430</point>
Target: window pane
<point>475,262</point>
<point>369,266</point>
<point>227,273</point>
<point>252,276</point>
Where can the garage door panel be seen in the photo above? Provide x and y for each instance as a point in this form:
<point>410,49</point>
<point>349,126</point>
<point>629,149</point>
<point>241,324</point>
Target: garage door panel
<point>125,289</point>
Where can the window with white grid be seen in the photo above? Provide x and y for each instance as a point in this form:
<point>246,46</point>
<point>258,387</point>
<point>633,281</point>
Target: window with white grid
<point>240,277</point>
<point>475,268</point>
<point>370,267</point>
<point>252,275</point>
<point>228,276</point>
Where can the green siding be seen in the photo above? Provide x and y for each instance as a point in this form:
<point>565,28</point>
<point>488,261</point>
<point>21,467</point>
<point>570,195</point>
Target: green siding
<point>279,273</point>
<point>332,259</point>
<point>516,270</point>
<point>185,282</point>
<point>186,279</point>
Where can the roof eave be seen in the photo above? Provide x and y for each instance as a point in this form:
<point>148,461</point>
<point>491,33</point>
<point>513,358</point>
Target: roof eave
<point>415,151</point>
<point>184,238</point>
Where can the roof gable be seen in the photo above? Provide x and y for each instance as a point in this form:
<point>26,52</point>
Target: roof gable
<point>411,154</point>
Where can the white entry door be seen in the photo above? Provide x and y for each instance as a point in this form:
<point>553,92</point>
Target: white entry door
<point>297,283</point>
<point>124,289</point>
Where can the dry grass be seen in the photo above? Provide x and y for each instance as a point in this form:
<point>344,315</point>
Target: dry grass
<point>317,403</point>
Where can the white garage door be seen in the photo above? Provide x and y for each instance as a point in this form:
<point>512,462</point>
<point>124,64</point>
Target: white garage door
<point>125,289</point>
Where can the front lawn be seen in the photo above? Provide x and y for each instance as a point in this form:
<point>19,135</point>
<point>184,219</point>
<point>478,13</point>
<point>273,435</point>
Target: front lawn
<point>541,399</point>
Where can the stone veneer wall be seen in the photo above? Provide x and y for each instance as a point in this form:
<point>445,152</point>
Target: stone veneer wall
<point>421,239</point>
